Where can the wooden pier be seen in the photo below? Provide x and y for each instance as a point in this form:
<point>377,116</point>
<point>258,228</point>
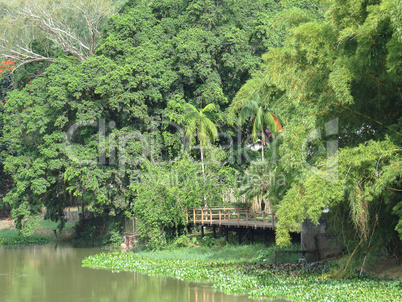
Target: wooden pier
<point>231,217</point>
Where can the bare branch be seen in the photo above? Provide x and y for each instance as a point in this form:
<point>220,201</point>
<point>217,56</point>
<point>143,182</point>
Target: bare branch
<point>72,25</point>
<point>51,60</point>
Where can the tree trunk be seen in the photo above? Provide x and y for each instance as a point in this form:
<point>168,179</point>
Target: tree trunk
<point>203,171</point>
<point>262,143</point>
<point>202,162</point>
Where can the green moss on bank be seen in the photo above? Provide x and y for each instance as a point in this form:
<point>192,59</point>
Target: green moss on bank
<point>292,282</point>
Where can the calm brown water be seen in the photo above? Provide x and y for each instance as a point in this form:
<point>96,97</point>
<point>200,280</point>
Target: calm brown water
<point>55,274</point>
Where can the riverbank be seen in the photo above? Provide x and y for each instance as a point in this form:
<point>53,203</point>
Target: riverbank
<point>293,282</point>
<point>43,235</point>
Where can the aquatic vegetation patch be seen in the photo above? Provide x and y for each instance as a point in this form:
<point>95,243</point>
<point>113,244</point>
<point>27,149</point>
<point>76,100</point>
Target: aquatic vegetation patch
<point>288,281</point>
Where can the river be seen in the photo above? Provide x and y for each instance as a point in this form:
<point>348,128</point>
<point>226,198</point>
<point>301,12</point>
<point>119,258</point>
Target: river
<point>49,274</point>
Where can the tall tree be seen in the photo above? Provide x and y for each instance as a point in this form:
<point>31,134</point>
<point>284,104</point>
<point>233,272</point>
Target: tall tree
<point>5,86</point>
<point>73,26</point>
<point>253,100</point>
<point>202,127</point>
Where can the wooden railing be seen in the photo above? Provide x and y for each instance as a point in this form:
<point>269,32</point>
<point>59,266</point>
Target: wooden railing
<point>235,217</point>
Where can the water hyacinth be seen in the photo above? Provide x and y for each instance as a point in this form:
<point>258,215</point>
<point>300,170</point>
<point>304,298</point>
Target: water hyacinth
<point>291,282</point>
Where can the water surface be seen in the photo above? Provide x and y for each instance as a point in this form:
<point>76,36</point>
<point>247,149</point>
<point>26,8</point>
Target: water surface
<point>50,274</point>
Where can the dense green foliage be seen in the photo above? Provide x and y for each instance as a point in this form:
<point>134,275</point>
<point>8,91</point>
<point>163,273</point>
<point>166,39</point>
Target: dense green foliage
<point>294,282</point>
<point>108,134</point>
<point>211,249</point>
<point>5,87</point>
<point>165,191</point>
<point>98,231</point>
<point>336,85</point>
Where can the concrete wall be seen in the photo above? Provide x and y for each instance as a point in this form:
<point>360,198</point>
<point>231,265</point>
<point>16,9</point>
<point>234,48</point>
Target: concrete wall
<point>316,237</point>
<point>71,215</point>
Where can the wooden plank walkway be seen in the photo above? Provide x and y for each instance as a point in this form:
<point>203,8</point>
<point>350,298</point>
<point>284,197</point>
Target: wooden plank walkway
<point>231,217</point>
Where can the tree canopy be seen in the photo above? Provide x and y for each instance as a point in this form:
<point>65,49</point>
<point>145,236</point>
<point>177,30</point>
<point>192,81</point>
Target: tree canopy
<point>103,125</point>
<point>91,126</point>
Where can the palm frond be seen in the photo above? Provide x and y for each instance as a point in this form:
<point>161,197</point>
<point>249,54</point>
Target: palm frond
<point>270,122</point>
<point>211,128</point>
<point>191,108</point>
<point>277,122</point>
<point>208,108</point>
<point>200,125</point>
<point>191,131</point>
<point>259,119</point>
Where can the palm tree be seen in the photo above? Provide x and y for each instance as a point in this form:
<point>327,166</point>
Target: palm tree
<point>201,126</point>
<point>252,100</point>
<point>263,119</point>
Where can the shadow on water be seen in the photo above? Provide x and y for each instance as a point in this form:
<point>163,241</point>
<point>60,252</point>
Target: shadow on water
<point>46,273</point>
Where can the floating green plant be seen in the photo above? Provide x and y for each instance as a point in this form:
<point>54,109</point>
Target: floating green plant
<point>287,281</point>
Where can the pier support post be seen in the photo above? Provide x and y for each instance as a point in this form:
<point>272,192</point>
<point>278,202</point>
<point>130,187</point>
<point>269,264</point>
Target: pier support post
<point>202,231</point>
<point>239,235</point>
<point>214,229</point>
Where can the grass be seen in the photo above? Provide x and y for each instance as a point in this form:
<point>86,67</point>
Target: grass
<point>51,225</point>
<point>229,253</point>
<point>194,247</point>
<point>43,235</point>
<point>10,238</point>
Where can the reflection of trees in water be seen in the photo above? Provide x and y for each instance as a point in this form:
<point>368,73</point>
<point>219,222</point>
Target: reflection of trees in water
<point>203,293</point>
<point>55,274</point>
<point>200,294</point>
